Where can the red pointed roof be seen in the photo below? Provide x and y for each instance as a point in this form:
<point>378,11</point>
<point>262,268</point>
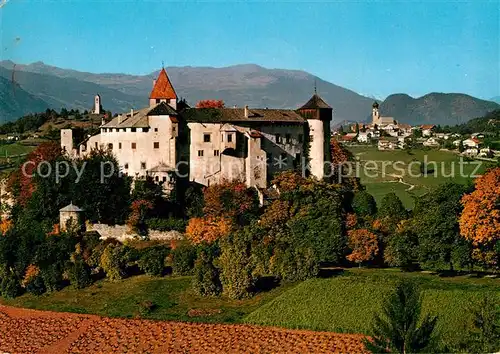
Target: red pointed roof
<point>163,88</point>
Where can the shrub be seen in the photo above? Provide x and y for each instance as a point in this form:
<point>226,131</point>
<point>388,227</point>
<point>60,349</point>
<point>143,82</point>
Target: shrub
<point>166,224</point>
<point>79,274</point>
<point>146,307</point>
<point>183,258</point>
<point>294,265</point>
<point>114,260</point>
<point>52,277</point>
<point>95,258</point>
<point>206,281</point>
<point>152,260</point>
<point>236,271</point>
<point>10,286</point>
<point>36,286</point>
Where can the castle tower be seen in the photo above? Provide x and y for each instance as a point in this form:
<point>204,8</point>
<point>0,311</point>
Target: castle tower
<point>67,141</point>
<point>70,217</point>
<point>375,114</point>
<point>97,104</point>
<point>318,115</point>
<point>163,91</point>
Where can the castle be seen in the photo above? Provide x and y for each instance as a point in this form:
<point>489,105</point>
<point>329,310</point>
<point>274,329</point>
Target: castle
<point>169,140</point>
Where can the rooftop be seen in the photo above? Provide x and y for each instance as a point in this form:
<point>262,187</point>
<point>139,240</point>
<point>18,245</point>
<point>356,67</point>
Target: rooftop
<point>71,207</point>
<point>315,102</point>
<point>139,119</point>
<point>163,87</point>
<point>223,115</point>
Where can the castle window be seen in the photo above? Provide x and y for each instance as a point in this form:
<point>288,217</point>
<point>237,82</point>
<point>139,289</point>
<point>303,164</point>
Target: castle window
<point>288,139</point>
<point>200,153</point>
<point>143,165</point>
<point>133,130</point>
<point>157,179</point>
<point>104,130</point>
<point>96,146</point>
<point>230,138</point>
<point>216,152</point>
<point>301,138</point>
<point>311,138</point>
<point>156,129</point>
<point>117,130</point>
<point>156,145</point>
<point>164,178</point>
<point>134,146</point>
<point>126,166</point>
<point>173,128</point>
<point>119,145</point>
<point>278,139</point>
<point>206,138</point>
<point>157,100</point>
<point>145,130</point>
<point>110,146</point>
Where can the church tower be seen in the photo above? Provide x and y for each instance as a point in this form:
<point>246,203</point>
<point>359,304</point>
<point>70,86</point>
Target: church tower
<point>97,104</point>
<point>163,91</point>
<point>318,115</point>
<point>375,114</point>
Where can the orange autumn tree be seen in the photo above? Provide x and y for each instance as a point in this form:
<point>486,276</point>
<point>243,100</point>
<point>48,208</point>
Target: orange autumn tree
<point>343,166</point>
<point>480,218</point>
<point>227,206</point>
<point>364,245</point>
<point>21,183</point>
<point>210,104</point>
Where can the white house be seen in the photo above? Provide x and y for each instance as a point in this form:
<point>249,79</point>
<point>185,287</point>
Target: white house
<point>431,142</point>
<point>364,137</point>
<point>427,129</point>
<point>472,143</point>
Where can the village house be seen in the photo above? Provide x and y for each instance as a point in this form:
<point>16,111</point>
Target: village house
<point>431,142</point>
<point>169,140</point>
<point>427,129</point>
<point>364,137</point>
<point>472,143</point>
<point>387,144</point>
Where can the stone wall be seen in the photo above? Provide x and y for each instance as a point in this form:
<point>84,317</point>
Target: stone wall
<point>122,232</point>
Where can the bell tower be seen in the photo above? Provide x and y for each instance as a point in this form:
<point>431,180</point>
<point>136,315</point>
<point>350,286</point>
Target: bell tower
<point>97,104</point>
<point>375,114</point>
<point>163,91</point>
<point>318,115</point>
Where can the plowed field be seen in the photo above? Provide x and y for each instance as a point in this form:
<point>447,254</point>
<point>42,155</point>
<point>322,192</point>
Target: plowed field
<point>31,331</point>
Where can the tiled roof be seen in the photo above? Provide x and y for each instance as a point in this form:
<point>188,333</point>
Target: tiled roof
<point>163,88</point>
<point>427,126</point>
<point>140,117</point>
<point>223,115</point>
<point>161,167</point>
<point>315,102</point>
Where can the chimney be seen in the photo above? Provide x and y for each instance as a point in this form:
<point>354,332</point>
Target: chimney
<point>103,121</point>
<point>246,111</point>
<point>120,119</point>
<point>131,113</point>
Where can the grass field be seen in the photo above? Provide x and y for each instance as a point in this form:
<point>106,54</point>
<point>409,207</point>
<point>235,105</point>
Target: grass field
<point>404,179</point>
<point>172,297</point>
<point>14,149</point>
<point>341,303</point>
<point>346,303</point>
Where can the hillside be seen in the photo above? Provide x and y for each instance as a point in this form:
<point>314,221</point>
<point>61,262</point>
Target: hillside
<point>436,108</point>
<point>16,102</point>
<point>238,85</point>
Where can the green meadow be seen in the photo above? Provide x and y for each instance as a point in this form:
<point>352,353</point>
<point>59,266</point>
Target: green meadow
<point>398,171</point>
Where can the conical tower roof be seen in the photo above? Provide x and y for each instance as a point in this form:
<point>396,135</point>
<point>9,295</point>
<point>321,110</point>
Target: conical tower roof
<point>163,88</point>
<point>315,102</point>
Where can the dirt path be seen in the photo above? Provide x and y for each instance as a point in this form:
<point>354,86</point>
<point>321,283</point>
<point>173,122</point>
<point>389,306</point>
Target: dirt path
<point>31,331</point>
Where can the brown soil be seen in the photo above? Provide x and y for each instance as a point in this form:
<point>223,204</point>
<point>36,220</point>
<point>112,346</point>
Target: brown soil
<point>31,331</point>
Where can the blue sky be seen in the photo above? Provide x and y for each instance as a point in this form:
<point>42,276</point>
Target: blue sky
<point>372,47</point>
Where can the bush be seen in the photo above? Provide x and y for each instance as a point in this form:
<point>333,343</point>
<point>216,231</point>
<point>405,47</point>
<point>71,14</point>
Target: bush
<point>36,286</point>
<point>79,274</point>
<point>52,277</point>
<point>152,260</point>
<point>206,281</point>
<point>146,307</point>
<point>236,270</point>
<point>10,287</point>
<point>115,259</point>
<point>183,258</point>
<point>167,224</point>
<point>294,265</point>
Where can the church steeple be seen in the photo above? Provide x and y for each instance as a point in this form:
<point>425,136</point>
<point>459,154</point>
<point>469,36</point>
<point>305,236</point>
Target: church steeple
<point>163,91</point>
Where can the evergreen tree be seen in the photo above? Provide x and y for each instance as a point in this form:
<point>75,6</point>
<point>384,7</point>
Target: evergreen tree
<point>364,204</point>
<point>397,330</point>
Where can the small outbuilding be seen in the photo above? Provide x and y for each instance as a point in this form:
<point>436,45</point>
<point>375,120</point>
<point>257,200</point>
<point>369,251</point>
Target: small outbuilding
<point>70,217</point>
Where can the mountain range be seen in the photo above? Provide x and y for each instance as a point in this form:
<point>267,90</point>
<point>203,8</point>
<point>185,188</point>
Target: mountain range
<point>37,86</point>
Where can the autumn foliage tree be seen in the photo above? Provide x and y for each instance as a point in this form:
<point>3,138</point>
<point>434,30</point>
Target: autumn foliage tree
<point>480,218</point>
<point>343,171</point>
<point>363,245</point>
<point>210,104</point>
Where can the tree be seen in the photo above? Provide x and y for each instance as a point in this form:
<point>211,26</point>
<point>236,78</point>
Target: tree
<point>392,208</point>
<point>343,166</point>
<point>210,104</point>
<point>364,245</point>
<point>399,328</point>
<point>435,221</point>
<point>208,229</point>
<point>364,204</point>
<point>461,147</point>
<point>480,218</point>
<point>400,247</point>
